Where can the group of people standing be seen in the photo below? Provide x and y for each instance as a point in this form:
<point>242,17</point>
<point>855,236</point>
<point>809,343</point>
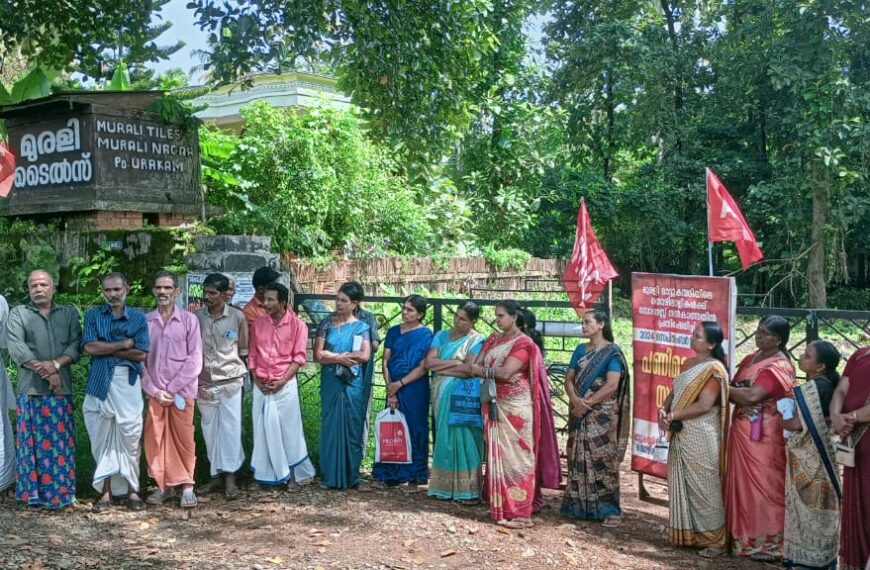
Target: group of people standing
<point>510,431</point>
<point>166,361</point>
<point>761,480</point>
<point>764,479</point>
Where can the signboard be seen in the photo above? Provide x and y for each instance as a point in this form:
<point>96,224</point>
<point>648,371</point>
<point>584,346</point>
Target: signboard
<point>84,152</point>
<point>193,289</point>
<point>665,311</point>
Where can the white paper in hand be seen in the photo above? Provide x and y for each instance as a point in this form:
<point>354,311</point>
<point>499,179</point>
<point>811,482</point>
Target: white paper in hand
<point>357,343</point>
<point>179,402</point>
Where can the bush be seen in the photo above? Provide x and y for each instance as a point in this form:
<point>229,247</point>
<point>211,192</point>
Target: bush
<point>850,299</point>
<point>314,183</point>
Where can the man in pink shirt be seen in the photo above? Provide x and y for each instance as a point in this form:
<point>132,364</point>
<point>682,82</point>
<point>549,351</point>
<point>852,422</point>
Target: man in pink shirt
<point>170,380</point>
<point>278,347</point>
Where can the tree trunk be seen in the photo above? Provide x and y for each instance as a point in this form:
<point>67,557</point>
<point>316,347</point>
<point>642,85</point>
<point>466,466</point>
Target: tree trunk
<point>816,281</point>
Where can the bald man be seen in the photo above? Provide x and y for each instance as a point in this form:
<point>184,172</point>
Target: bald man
<point>43,340</point>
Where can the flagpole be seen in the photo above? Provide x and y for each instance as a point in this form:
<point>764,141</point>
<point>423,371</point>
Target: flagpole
<point>709,243</point>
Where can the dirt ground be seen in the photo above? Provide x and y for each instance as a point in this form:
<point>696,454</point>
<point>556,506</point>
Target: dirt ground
<point>320,529</point>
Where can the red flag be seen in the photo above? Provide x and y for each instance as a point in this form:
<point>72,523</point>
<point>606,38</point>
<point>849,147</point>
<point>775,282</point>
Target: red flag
<point>7,169</point>
<point>589,269</point>
<point>726,223</point>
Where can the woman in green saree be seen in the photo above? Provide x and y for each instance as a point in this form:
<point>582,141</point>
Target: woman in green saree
<point>458,452</point>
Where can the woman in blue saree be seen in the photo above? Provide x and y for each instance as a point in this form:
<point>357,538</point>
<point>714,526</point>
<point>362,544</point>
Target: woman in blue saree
<point>812,484</point>
<point>458,453</point>
<point>407,382</point>
<point>342,347</point>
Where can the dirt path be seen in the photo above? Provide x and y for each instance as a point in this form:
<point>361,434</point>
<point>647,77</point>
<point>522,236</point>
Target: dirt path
<point>321,529</point>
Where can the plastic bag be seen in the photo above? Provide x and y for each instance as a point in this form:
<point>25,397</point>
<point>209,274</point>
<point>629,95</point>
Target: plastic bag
<point>392,442</point>
<point>465,404</point>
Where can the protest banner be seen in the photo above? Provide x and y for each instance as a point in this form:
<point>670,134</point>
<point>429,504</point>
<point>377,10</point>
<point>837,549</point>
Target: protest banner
<point>665,311</point>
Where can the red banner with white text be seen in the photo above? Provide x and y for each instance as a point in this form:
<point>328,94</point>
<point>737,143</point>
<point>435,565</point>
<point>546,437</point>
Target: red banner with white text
<point>665,311</point>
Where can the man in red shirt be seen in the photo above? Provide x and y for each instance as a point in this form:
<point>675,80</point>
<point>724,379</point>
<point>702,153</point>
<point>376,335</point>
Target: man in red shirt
<point>278,347</point>
<point>262,277</point>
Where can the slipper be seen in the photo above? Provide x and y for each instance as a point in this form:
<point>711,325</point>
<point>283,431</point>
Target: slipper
<point>469,502</point>
<point>231,493</point>
<point>612,521</point>
<point>712,552</point>
<point>188,499</point>
<point>101,506</point>
<point>763,557</point>
<point>159,497</point>
<point>516,523</point>
<point>135,504</point>
<point>214,484</point>
<point>410,488</point>
<point>364,487</point>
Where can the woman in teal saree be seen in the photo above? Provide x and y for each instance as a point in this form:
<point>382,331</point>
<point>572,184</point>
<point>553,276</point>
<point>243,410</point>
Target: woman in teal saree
<point>458,453</point>
<point>342,346</point>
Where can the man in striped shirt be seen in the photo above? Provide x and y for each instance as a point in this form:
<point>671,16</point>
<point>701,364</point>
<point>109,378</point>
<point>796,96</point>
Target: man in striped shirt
<point>116,337</point>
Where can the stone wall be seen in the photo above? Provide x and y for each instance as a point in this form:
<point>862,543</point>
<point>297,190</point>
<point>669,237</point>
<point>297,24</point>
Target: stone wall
<point>460,275</point>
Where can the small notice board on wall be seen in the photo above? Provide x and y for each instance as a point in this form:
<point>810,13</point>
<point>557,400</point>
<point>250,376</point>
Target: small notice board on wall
<point>193,289</point>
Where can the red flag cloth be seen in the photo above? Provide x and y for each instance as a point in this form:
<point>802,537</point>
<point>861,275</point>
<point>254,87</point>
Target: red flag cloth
<point>7,169</point>
<point>589,269</point>
<point>725,222</point>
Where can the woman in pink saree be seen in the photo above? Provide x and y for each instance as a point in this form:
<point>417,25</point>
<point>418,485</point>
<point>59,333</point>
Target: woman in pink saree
<point>510,365</point>
<point>755,473</point>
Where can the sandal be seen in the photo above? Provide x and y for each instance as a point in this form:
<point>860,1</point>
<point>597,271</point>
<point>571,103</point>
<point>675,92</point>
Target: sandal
<point>188,499</point>
<point>712,552</point>
<point>364,487</point>
<point>612,521</point>
<point>101,506</point>
<point>410,488</point>
<point>159,497</point>
<point>213,485</point>
<point>136,504</point>
<point>469,502</point>
<point>231,493</point>
<point>763,557</point>
<point>516,523</point>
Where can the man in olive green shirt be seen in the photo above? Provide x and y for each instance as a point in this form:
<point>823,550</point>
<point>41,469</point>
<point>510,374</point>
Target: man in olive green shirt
<point>43,340</point>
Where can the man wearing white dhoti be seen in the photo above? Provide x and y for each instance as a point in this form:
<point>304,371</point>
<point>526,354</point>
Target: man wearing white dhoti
<point>224,346</point>
<point>7,403</point>
<point>116,337</point>
<point>278,348</point>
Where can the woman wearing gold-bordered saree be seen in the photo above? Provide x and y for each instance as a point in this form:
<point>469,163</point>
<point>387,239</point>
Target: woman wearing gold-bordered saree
<point>812,484</point>
<point>755,461</point>
<point>511,361</point>
<point>696,417</point>
<point>457,455</point>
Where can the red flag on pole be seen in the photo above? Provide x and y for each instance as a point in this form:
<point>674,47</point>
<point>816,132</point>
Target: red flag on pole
<point>589,269</point>
<point>725,222</point>
<point>7,169</point>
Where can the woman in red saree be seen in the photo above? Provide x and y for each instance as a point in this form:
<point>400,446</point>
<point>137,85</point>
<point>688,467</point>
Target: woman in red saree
<point>755,472</point>
<point>510,362</point>
<point>850,416</point>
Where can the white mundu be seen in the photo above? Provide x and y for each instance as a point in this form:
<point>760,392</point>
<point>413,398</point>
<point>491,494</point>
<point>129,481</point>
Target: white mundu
<point>280,451</point>
<point>115,428</point>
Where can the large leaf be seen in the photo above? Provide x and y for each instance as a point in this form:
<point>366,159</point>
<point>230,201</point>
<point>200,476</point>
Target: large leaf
<point>5,97</point>
<point>34,85</point>
<point>120,79</point>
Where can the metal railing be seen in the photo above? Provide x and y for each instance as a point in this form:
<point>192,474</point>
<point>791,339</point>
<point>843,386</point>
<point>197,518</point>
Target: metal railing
<point>848,329</point>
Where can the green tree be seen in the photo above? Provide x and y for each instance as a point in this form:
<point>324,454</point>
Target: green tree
<point>413,69</point>
<point>61,35</point>
<point>314,183</point>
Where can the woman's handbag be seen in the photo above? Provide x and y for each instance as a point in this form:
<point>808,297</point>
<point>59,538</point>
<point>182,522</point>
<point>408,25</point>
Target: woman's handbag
<point>344,373</point>
<point>846,452</point>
